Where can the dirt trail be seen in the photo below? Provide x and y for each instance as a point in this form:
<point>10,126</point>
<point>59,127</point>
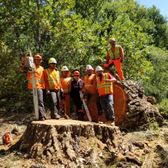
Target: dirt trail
<point>146,149</point>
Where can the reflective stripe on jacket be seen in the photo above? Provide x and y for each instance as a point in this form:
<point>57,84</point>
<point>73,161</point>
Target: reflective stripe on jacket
<point>52,79</point>
<point>39,77</point>
<point>116,53</point>
<point>66,84</point>
<point>103,86</point>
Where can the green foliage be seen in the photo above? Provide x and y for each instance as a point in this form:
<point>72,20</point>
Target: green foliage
<point>12,82</point>
<point>76,34</point>
<point>161,27</point>
<point>163,107</point>
<point>7,62</point>
<point>157,85</point>
<point>153,125</point>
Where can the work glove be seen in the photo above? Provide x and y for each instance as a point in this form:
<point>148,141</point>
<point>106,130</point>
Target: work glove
<point>105,66</point>
<point>81,95</point>
<point>47,92</point>
<point>85,97</point>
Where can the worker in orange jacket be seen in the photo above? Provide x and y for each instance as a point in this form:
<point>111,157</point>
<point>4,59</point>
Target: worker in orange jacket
<point>66,86</point>
<point>104,83</point>
<point>40,85</point>
<point>53,87</point>
<point>90,92</point>
<point>115,55</point>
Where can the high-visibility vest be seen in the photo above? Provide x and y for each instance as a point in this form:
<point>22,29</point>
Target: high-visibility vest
<point>66,84</point>
<point>52,79</point>
<point>103,86</point>
<point>39,78</point>
<point>116,54</point>
<point>90,83</point>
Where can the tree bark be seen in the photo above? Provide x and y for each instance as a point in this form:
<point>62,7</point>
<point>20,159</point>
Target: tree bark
<point>70,142</point>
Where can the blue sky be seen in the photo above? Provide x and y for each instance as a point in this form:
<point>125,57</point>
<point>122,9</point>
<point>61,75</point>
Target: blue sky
<point>162,5</point>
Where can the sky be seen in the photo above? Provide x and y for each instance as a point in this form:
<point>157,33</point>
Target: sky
<point>162,5</point>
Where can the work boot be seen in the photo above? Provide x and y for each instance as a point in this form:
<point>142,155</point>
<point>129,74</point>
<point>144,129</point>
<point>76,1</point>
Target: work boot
<point>110,123</point>
<point>66,116</point>
<point>57,116</point>
<point>42,119</point>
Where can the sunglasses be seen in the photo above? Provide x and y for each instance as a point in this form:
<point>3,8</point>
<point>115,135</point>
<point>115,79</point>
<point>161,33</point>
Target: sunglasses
<point>76,75</point>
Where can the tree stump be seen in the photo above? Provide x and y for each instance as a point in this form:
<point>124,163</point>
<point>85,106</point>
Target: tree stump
<point>70,142</point>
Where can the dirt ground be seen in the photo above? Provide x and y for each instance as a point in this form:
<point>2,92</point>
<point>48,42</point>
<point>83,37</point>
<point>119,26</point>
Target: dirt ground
<point>16,159</point>
<point>155,139</point>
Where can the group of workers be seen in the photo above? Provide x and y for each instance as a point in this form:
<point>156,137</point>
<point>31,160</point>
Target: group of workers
<point>95,88</point>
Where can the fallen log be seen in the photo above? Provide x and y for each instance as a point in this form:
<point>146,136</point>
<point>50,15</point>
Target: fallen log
<point>133,110</point>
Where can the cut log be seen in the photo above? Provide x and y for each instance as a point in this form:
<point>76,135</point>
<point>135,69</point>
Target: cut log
<point>120,104</point>
<point>132,108</point>
<point>139,113</point>
<point>70,142</point>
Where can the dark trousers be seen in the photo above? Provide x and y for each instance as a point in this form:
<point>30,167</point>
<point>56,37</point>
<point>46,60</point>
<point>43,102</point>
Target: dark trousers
<point>79,108</point>
<point>41,103</point>
<point>106,103</point>
<point>54,103</point>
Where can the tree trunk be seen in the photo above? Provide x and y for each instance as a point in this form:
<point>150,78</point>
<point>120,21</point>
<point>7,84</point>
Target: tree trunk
<point>70,142</point>
<point>133,110</point>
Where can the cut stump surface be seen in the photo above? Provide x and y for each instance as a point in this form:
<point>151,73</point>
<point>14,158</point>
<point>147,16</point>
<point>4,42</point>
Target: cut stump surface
<point>70,142</point>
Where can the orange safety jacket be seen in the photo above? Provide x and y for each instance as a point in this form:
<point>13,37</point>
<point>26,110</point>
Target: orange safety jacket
<point>66,84</point>
<point>117,54</point>
<point>39,77</point>
<point>52,79</point>
<point>103,86</point>
<point>90,83</point>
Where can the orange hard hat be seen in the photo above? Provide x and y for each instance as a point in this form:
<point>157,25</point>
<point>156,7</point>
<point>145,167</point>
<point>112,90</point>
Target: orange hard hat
<point>38,57</point>
<point>76,73</point>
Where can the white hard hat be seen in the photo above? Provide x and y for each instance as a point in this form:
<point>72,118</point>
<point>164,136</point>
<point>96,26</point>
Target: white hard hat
<point>98,69</point>
<point>111,40</point>
<point>89,67</point>
<point>52,61</point>
<point>64,68</point>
